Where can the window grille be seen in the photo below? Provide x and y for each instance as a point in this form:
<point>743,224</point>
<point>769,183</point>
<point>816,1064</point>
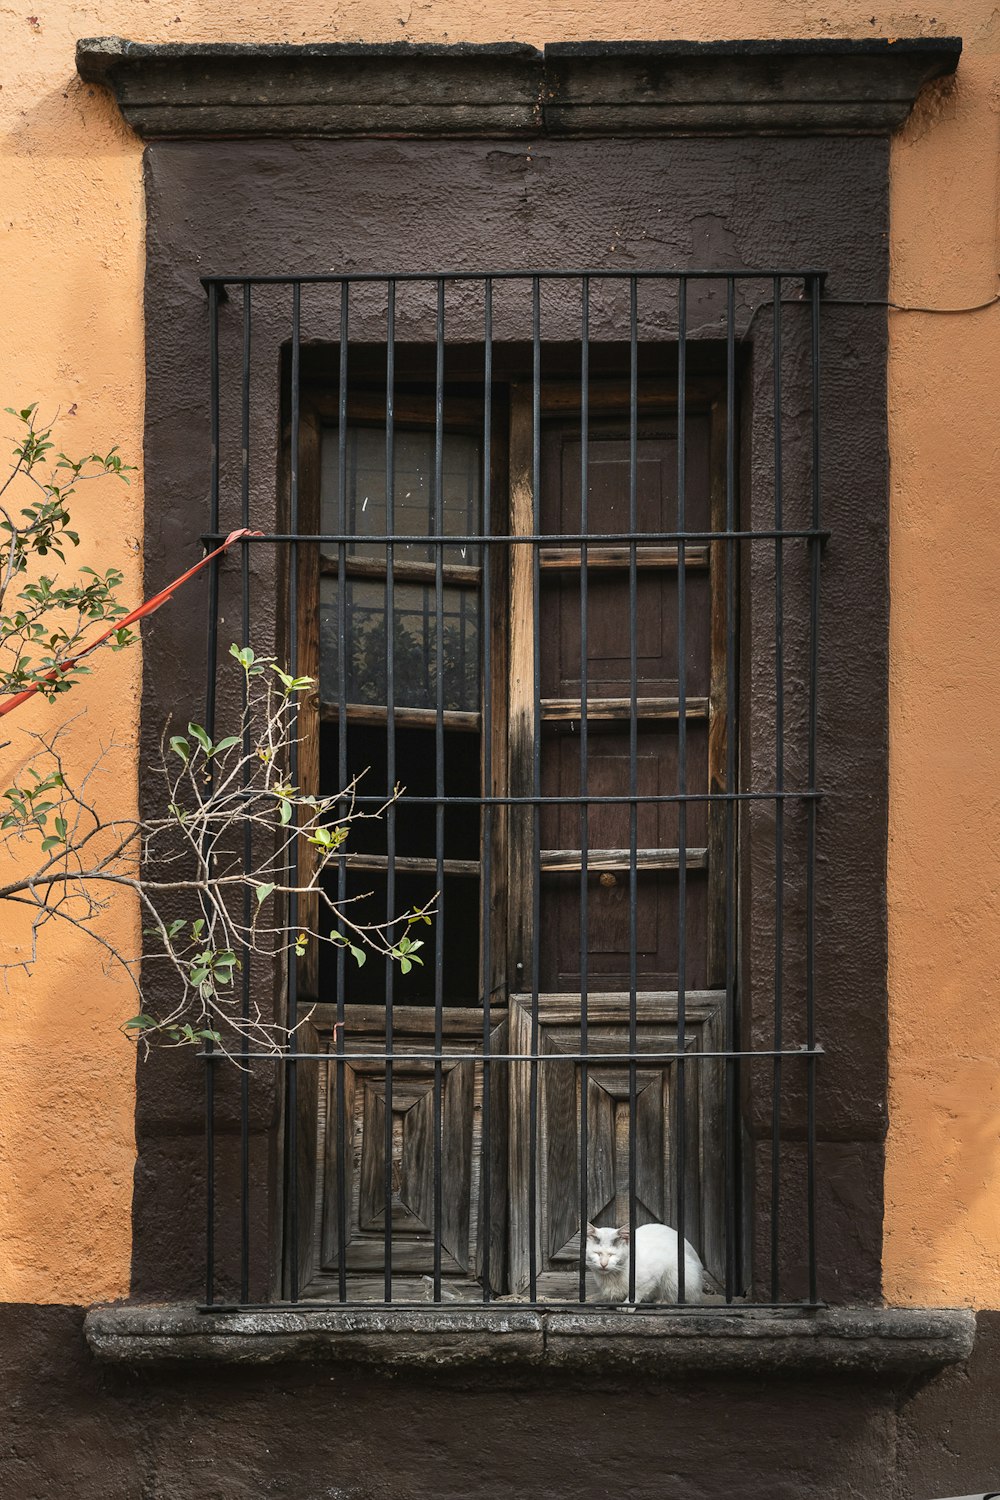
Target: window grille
<point>539,537</point>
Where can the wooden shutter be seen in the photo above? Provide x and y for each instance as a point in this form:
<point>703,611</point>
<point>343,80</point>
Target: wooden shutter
<point>613,616</point>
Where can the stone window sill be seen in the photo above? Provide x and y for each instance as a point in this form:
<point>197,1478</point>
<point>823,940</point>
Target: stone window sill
<point>880,1341</point>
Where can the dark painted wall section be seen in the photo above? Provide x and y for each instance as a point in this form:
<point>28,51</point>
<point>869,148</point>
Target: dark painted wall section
<point>286,207</point>
<point>73,1429</point>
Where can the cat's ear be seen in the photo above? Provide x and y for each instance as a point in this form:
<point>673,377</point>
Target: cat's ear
<point>591,1232</point>
<point>623,1234</point>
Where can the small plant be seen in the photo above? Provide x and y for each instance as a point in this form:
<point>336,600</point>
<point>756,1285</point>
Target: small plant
<point>44,622</point>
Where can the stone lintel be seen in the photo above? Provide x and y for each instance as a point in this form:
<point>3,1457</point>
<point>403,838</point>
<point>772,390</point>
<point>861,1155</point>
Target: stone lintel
<point>825,87</point>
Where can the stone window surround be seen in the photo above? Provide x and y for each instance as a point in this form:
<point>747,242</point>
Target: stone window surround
<point>838,87</point>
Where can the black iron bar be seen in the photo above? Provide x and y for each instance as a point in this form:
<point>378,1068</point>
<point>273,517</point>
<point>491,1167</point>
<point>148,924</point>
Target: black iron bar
<point>633,763</point>
<point>210,1176</point>
<point>779,806</point>
<point>610,798</point>
<point>806,534</point>
<point>370,798</point>
<point>343,730</point>
<point>653,1055</point>
<point>212,639</point>
<point>390,700</point>
<point>553,1305</point>
<point>212,635</point>
<point>594,273</point>
<point>584,805</point>
<point>245,747</point>
<point>680,1116</point>
<point>731,1095</point>
<point>293,847</point>
<point>439,918</point>
<point>810,977</point>
<point>486,812</point>
<point>536,869</point>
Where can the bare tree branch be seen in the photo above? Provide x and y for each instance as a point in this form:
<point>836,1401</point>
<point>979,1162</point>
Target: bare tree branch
<point>219,797</point>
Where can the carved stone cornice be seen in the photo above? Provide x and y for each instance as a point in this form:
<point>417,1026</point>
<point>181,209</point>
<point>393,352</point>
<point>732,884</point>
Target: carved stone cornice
<point>824,87</point>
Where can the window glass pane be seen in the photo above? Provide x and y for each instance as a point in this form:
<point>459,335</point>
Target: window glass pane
<point>413,492</point>
<point>417,660</point>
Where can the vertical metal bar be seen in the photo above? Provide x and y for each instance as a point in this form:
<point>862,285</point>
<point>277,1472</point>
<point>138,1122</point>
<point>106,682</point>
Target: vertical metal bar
<point>212,638</point>
<point>680,1119</point>
<point>209,1177</point>
<point>814,559</point>
<point>247,831</point>
<point>779,803</point>
<point>730,820</point>
<point>439,921</point>
<point>633,760</point>
<point>213,506</point>
<point>342,659</point>
<point>584,773</point>
<point>486,828</point>
<point>293,860</point>
<point>390,694</point>
<point>536,883</point>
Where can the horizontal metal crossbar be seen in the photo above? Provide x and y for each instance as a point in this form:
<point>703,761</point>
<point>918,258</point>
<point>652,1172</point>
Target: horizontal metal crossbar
<point>686,1309</point>
<point>475,539</point>
<point>813,794</point>
<point>509,1057</point>
<point>351,278</point>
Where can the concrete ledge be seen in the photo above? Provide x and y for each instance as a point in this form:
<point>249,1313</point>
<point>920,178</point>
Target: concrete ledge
<point>877,1341</point>
<point>828,86</point>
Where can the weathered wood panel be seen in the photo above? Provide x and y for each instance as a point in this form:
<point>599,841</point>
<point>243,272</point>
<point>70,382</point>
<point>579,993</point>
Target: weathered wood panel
<point>610,1120</point>
<point>411,1160</point>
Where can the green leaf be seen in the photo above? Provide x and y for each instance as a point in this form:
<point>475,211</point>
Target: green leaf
<point>197,928</point>
<point>201,735</point>
<point>263,891</point>
<point>358,954</point>
<point>180,746</point>
<point>225,744</point>
<point>285,812</point>
<point>139,1023</point>
<point>60,827</point>
<point>49,843</point>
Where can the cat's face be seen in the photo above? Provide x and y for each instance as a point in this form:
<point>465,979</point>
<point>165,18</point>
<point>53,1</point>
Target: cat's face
<point>607,1249</point>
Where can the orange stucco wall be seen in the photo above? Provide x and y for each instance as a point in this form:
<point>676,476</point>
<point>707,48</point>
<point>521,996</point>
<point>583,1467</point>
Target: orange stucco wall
<point>71,252</point>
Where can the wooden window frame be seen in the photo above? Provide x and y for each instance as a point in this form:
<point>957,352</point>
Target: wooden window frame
<point>509,633</point>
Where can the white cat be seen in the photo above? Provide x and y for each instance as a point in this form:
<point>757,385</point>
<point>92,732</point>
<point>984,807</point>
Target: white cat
<point>655,1265</point>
